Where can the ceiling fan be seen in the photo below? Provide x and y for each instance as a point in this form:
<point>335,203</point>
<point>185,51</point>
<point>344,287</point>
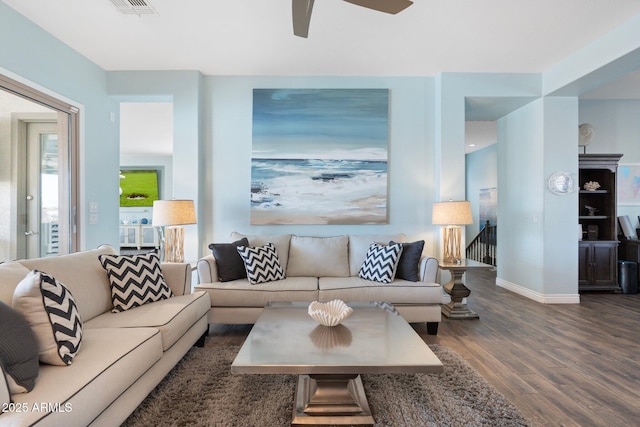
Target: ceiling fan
<point>302,11</point>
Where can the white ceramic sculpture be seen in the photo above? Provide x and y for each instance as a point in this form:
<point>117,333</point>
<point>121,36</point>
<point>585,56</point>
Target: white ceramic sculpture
<point>330,313</point>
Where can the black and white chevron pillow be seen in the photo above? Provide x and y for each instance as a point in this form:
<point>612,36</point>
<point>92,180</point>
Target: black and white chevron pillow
<point>49,307</point>
<point>381,262</point>
<point>262,263</point>
<point>135,280</point>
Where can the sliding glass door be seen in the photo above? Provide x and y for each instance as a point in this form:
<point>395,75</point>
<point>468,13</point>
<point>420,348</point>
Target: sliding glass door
<point>38,173</point>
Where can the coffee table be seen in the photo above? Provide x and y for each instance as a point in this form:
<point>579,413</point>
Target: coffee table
<point>329,360</point>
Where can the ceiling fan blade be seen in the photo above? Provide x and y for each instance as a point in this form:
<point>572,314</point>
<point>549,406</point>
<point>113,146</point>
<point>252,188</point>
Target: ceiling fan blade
<point>301,16</point>
<point>387,6</point>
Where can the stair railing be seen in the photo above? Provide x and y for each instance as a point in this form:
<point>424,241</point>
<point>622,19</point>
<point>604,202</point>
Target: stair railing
<point>483,247</point>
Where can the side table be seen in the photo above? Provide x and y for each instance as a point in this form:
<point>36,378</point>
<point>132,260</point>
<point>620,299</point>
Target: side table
<point>457,290</point>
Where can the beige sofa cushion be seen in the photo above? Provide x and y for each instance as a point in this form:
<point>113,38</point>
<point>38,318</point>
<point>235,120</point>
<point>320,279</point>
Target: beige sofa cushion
<point>318,256</point>
<point>108,363</point>
<point>397,292</point>
<point>83,275</point>
<point>173,317</point>
<point>359,244</point>
<point>240,293</point>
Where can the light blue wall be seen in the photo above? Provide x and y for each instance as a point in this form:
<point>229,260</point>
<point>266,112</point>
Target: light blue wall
<point>228,152</point>
<point>606,59</point>
<point>521,185</point>
<point>560,213</point>
<point>537,238</point>
<point>32,56</point>
<point>616,127</point>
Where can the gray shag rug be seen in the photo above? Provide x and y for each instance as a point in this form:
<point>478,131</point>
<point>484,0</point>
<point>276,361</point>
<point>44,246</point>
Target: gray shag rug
<point>202,391</point>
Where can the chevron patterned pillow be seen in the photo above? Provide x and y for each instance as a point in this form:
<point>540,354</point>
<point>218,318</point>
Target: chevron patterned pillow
<point>49,307</point>
<point>262,263</point>
<point>135,280</point>
<point>381,262</point>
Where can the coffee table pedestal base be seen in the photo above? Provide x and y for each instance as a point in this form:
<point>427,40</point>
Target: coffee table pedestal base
<point>331,400</point>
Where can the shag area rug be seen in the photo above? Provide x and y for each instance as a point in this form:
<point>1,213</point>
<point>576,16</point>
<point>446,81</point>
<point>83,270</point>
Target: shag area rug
<point>202,391</point>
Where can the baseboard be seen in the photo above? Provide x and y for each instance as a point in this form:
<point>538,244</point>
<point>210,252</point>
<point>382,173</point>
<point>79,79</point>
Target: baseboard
<point>537,296</point>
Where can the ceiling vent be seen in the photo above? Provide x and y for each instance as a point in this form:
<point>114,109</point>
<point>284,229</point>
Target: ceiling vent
<point>134,7</point>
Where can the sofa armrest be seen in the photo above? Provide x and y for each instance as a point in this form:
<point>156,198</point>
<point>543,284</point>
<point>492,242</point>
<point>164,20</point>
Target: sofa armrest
<point>428,269</point>
<point>178,277</point>
<point>207,269</point>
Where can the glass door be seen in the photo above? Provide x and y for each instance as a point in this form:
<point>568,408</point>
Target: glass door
<point>42,207</point>
<point>38,173</point>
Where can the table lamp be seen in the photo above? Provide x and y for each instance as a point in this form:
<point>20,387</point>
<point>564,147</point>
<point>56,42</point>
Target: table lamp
<point>169,216</point>
<point>452,215</point>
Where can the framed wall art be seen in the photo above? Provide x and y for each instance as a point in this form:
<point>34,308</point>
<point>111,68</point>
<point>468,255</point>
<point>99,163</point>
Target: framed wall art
<point>139,186</point>
<point>319,156</point>
<point>488,207</point>
<point>628,184</point>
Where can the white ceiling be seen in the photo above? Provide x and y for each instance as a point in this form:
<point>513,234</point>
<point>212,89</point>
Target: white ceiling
<point>254,37</point>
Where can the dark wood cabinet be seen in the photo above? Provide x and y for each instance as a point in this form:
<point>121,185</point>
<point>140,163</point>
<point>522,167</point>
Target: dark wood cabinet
<point>598,250</point>
<point>598,262</point>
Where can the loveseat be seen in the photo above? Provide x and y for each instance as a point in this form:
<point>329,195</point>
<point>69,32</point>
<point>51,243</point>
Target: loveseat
<point>320,269</point>
<point>122,355</point>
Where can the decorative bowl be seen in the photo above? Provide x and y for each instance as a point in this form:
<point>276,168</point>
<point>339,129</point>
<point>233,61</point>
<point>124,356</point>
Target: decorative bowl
<point>330,313</point>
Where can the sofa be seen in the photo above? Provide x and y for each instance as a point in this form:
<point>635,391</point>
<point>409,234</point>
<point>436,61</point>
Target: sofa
<point>320,269</point>
<point>122,356</point>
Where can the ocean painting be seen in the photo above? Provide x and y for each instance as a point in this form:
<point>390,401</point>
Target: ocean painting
<point>319,156</point>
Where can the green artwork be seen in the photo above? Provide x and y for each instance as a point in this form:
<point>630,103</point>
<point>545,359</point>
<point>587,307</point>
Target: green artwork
<point>138,187</point>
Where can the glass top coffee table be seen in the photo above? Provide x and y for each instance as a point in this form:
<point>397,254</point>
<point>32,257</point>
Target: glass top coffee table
<point>329,360</point>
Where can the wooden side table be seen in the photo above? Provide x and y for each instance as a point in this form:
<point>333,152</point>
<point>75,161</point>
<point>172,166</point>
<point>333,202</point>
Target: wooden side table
<point>457,290</point>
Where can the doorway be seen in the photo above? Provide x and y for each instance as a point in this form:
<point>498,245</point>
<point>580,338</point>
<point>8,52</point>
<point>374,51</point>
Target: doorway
<point>146,148</point>
<point>38,173</point>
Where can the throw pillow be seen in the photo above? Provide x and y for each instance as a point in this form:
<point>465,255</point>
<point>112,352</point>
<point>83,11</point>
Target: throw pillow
<point>261,263</point>
<point>52,313</point>
<point>135,280</point>
<point>408,266</point>
<point>229,262</point>
<point>318,256</point>
<point>359,245</point>
<point>381,262</point>
<point>18,352</point>
<point>280,241</point>
<point>5,394</point>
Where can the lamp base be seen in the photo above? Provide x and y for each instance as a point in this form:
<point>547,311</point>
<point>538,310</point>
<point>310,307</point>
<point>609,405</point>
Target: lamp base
<point>451,238</point>
<point>173,244</point>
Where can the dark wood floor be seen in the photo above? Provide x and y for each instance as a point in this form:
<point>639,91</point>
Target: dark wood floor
<point>560,364</point>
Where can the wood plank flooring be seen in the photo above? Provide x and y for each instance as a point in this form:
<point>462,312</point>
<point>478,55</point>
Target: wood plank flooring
<point>560,364</point>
